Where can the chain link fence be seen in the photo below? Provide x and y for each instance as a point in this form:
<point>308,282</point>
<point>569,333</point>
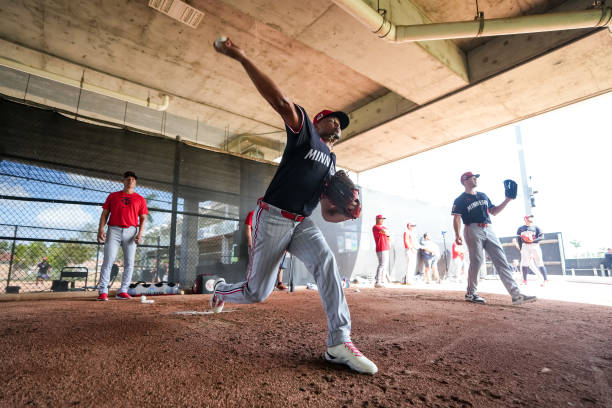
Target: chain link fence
<point>52,188</point>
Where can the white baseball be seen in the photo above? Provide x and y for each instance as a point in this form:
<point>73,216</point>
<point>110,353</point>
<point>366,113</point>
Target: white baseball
<point>220,43</point>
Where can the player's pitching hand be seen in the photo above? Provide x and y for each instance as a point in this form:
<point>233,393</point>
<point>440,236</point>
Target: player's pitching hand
<point>101,237</point>
<point>230,49</point>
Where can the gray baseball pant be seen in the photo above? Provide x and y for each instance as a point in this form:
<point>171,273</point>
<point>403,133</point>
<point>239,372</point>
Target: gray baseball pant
<point>115,237</point>
<point>383,261</point>
<point>477,239</point>
<point>272,235</point>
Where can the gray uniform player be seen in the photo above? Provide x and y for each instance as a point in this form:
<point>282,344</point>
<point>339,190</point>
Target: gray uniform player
<point>473,208</point>
<point>282,220</point>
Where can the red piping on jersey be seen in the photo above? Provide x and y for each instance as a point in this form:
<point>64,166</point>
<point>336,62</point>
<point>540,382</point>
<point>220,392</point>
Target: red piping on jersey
<point>301,122</point>
<point>259,210</point>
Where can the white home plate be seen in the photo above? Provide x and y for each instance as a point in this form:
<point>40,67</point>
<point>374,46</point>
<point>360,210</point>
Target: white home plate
<point>195,312</point>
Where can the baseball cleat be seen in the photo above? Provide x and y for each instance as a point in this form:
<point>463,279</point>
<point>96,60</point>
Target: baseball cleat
<point>102,297</point>
<point>216,304</point>
<point>475,299</point>
<point>281,286</point>
<point>348,354</point>
<point>520,299</point>
<point>123,296</point>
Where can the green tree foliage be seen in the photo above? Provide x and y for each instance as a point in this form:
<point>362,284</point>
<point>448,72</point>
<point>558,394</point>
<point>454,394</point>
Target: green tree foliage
<point>58,254</point>
<point>63,254</point>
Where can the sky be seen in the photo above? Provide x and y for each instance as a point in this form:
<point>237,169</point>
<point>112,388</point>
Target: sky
<point>568,156</point>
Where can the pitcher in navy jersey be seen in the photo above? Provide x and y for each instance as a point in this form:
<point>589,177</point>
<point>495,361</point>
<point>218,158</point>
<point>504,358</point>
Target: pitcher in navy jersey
<point>473,209</point>
<point>282,220</point>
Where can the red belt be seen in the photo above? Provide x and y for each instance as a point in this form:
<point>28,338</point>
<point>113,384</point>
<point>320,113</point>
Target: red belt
<point>293,217</point>
<point>480,225</point>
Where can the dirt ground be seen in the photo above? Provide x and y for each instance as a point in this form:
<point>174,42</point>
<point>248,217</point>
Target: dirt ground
<point>432,348</point>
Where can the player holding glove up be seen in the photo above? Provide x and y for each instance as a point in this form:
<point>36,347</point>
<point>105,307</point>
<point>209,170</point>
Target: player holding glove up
<point>473,208</point>
<point>282,220</point>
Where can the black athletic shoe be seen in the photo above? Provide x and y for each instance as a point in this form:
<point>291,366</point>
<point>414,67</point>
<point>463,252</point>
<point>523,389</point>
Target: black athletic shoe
<point>523,299</point>
<point>475,299</point>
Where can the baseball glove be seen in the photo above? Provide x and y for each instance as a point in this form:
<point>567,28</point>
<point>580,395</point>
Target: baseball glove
<point>510,188</point>
<point>344,194</point>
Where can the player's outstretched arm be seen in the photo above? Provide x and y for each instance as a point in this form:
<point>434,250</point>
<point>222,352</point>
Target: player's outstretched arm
<point>497,209</point>
<point>457,228</point>
<point>264,84</point>
<point>331,213</point>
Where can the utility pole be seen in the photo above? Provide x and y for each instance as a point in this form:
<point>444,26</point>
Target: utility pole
<point>528,192</point>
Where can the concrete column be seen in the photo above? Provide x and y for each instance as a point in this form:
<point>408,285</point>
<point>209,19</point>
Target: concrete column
<point>190,252</point>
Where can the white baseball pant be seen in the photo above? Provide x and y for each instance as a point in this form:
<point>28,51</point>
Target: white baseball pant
<point>115,237</point>
<point>411,258</point>
<point>272,235</point>
<point>529,251</point>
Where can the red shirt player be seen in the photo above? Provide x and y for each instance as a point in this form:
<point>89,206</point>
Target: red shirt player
<point>381,238</point>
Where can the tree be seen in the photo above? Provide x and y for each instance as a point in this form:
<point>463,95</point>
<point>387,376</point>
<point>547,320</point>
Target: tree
<point>64,254</point>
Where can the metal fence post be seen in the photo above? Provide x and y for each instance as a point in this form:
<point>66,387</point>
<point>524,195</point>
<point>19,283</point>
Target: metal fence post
<point>603,272</point>
<point>8,278</point>
<point>175,193</point>
<point>157,265</point>
<point>97,261</point>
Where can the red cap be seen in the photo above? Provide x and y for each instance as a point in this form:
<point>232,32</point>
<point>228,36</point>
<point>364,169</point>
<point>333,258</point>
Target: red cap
<point>467,175</point>
<point>342,117</point>
<point>380,216</point>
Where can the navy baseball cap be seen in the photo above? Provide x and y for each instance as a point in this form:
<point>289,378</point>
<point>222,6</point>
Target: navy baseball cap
<point>467,175</point>
<point>130,174</point>
<point>342,117</point>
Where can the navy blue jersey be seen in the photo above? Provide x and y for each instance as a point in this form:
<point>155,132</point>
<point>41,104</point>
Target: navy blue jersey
<point>608,259</point>
<point>298,183</point>
<point>528,234</point>
<point>473,208</point>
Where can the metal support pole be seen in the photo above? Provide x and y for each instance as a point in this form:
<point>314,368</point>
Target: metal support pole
<point>157,264</point>
<point>97,263</point>
<point>524,179</point>
<point>172,275</point>
<point>8,278</point>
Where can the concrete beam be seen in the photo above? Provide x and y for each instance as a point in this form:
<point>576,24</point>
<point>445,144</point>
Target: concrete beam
<point>505,52</point>
<point>570,74</point>
<point>406,12</point>
<point>377,112</point>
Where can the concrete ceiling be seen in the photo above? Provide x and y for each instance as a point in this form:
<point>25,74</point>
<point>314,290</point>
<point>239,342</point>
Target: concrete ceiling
<point>403,98</point>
